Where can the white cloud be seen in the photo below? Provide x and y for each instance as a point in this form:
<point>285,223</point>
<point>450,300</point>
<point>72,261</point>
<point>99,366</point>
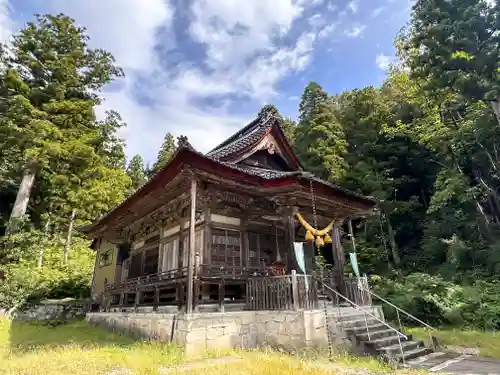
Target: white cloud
<point>233,30</point>
<point>245,55</point>
<point>327,30</point>
<point>354,31</point>
<point>316,20</point>
<point>130,33</point>
<point>384,61</point>
<point>377,11</point>
<point>331,7</point>
<point>353,6</point>
<point>6,23</point>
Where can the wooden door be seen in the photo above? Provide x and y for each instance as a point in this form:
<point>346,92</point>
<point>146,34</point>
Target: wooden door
<point>226,247</point>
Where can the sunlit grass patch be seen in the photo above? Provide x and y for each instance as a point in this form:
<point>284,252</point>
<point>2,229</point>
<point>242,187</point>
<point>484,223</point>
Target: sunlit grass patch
<point>78,348</point>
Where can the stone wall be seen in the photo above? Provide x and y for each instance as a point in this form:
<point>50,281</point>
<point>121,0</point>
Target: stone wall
<point>289,330</point>
<point>50,311</point>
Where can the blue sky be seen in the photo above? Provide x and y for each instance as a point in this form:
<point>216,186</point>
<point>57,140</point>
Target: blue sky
<point>203,68</point>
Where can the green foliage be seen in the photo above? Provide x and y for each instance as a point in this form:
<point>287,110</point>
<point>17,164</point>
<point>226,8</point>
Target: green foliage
<point>25,281</point>
<point>440,302</point>
<point>137,172</point>
<point>166,152</point>
<point>320,140</point>
<point>49,87</point>
<point>455,45</point>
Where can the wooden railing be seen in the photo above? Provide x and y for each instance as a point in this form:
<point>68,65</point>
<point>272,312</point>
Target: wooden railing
<point>263,291</point>
<point>357,290</point>
<point>234,272</point>
<point>201,271</point>
<point>147,279</point>
<point>289,292</point>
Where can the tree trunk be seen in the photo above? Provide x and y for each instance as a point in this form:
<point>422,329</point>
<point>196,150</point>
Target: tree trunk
<point>22,199</point>
<point>68,237</point>
<point>40,255</point>
<point>495,105</point>
<point>394,248</point>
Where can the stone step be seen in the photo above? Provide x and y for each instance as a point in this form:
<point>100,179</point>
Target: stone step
<point>359,323</point>
<point>387,341</point>
<point>412,354</point>
<point>360,330</point>
<point>395,349</point>
<point>351,316</point>
<point>375,334</point>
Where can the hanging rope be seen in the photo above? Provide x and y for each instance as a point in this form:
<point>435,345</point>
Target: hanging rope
<point>322,236</point>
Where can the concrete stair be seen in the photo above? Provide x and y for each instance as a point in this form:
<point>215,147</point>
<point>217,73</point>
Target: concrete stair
<point>373,337</point>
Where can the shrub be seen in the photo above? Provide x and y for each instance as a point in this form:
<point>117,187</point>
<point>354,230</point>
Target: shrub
<point>439,302</point>
<point>25,281</point>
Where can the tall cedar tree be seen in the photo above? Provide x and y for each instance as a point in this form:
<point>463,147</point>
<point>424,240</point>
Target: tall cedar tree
<point>453,47</point>
<point>48,88</point>
<point>137,172</point>
<point>456,44</point>
<point>166,152</point>
<point>320,139</point>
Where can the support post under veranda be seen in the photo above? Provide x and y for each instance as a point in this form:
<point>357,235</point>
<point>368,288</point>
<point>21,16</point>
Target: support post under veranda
<point>338,257</point>
<point>192,244</point>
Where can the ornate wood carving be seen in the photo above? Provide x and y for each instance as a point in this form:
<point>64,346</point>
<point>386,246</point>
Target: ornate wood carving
<point>162,216</point>
<point>230,198</point>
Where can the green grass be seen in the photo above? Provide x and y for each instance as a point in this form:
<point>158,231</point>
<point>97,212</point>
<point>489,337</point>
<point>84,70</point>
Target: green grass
<point>487,343</point>
<point>78,348</point>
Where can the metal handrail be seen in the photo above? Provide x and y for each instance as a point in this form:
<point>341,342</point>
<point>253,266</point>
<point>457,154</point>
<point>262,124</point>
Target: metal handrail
<point>399,309</point>
<point>399,334</point>
<point>366,312</point>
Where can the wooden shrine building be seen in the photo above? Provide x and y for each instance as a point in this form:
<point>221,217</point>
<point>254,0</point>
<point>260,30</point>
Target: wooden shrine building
<point>206,226</point>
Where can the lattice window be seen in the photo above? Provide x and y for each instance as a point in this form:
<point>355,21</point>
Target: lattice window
<point>253,249</point>
<point>106,258</point>
<point>170,254</point>
<point>135,266</point>
<point>151,261</point>
<point>184,248</point>
<point>262,247</point>
<point>226,247</point>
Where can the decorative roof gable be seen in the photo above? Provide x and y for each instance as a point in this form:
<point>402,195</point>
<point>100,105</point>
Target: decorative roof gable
<point>262,134</point>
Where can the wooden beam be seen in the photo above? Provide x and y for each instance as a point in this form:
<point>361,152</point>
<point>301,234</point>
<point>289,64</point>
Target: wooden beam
<point>192,248</point>
<point>338,256</point>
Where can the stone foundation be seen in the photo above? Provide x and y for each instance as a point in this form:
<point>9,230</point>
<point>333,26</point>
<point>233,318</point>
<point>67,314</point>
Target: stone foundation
<point>289,330</point>
<point>49,311</point>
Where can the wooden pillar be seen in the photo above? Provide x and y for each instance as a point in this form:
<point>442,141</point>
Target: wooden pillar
<point>295,291</point>
<point>338,256</point>
<point>292,263</point>
<point>192,248</point>
<point>196,282</point>
<point>157,299</point>
<point>222,292</point>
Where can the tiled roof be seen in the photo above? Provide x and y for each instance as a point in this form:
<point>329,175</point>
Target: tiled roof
<point>271,174</point>
<point>267,174</point>
<point>244,138</point>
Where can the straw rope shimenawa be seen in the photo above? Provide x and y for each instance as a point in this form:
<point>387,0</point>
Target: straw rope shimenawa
<point>321,235</point>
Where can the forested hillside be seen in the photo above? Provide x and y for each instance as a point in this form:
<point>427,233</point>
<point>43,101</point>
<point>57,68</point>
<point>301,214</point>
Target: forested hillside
<point>425,144</point>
